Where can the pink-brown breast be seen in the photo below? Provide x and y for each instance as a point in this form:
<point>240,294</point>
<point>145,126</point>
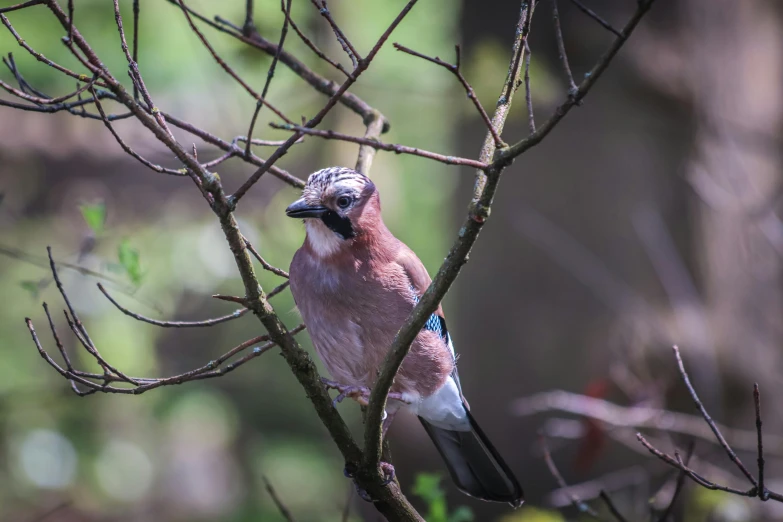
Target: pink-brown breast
<point>353,304</point>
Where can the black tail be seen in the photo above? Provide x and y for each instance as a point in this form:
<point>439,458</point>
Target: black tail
<point>474,464</point>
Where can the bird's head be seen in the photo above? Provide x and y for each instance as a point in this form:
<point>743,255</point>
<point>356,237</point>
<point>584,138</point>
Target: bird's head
<point>338,205</point>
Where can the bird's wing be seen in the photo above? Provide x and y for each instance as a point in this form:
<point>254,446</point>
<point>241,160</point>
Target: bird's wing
<point>420,281</point>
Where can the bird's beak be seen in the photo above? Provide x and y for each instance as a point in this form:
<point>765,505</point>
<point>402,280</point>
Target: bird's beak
<point>301,209</point>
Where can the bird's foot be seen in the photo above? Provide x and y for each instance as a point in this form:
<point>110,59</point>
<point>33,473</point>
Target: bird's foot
<point>388,472</point>
<point>388,477</point>
<point>360,394</point>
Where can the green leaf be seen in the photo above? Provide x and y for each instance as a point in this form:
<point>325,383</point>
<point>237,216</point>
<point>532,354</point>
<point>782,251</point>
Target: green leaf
<point>130,260</point>
<point>94,215</point>
<point>427,486</point>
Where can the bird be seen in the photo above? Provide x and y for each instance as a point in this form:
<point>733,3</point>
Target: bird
<point>354,284</point>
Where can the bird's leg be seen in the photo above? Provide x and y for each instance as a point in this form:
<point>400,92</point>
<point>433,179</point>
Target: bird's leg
<point>360,394</point>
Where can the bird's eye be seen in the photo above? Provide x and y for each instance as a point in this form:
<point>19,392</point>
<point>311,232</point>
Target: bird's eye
<point>343,201</point>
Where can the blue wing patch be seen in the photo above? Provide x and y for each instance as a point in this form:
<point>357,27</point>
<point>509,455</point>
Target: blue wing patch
<point>437,324</point>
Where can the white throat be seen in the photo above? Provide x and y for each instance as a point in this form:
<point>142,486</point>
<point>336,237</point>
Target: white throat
<point>323,241</point>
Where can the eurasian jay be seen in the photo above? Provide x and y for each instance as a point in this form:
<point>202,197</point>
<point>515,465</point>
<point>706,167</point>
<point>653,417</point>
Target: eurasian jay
<point>355,284</point>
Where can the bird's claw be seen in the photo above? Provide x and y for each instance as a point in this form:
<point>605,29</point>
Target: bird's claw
<point>360,394</point>
<point>388,477</point>
<point>388,473</point>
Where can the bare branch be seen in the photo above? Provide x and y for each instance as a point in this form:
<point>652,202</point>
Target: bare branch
<point>284,511</point>
<point>318,82</point>
<point>531,118</point>
<point>267,266</point>
<point>575,501</point>
<point>590,78</point>
<point>677,463</point>
<point>249,27</point>
<point>174,324</point>
<point>48,101</point>
<point>478,211</point>
<point>224,65</point>
<point>678,487</point>
<point>455,69</point>
<point>763,493</point>
<point>636,417</point>
<point>398,149</point>
<point>269,75</point>
<point>309,43</point>
<point>367,151</point>
<point>135,74</point>
<point>561,50</point>
<point>16,7</point>
<point>135,57</point>
<point>592,14</point>
<point>349,49</point>
<point>711,423</point>
<point>126,147</point>
<point>315,120</point>
<point>612,508</point>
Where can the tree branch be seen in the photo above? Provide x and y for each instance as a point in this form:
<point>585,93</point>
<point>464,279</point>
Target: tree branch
<point>378,145</point>
<point>269,75</point>
<point>478,211</point>
<point>363,64</point>
<point>455,70</point>
<point>318,82</point>
<point>591,77</point>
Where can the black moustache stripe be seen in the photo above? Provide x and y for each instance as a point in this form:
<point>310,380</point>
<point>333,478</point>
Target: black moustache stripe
<point>338,224</point>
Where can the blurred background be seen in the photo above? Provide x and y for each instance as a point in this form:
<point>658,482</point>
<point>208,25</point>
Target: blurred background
<point>647,218</point>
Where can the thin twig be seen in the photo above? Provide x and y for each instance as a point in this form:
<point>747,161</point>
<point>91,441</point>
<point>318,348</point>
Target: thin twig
<point>478,211</point>
<point>309,43</point>
<point>135,74</point>
<point>174,324</point>
<point>678,486</point>
<point>711,423</point>
<point>676,462</point>
<point>584,87</point>
<point>40,57</point>
<point>592,14</point>
<point>575,501</point>
<point>318,82</point>
<point>349,49</point>
<point>763,492</point>
<point>48,101</point>
<point>636,417</point>
<point>284,511</point>
<point>455,69</point>
<point>572,89</point>
<point>249,27</point>
<point>612,508</point>
<point>136,12</point>
<point>398,149</point>
<point>267,266</point>
<point>224,65</point>
<point>128,150</point>
<point>315,120</point>
<point>269,75</point>
<point>16,7</point>
<point>531,118</point>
